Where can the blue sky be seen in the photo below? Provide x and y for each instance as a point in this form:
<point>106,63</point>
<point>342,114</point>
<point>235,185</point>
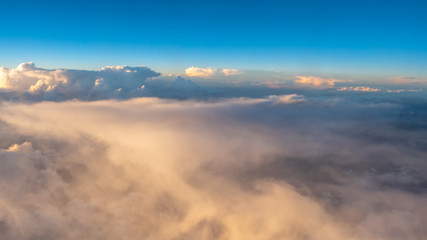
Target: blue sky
<point>354,37</point>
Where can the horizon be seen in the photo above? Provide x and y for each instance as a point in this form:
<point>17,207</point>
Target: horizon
<point>364,37</point>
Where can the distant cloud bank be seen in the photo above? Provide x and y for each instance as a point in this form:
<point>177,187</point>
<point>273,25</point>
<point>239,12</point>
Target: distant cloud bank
<point>27,82</point>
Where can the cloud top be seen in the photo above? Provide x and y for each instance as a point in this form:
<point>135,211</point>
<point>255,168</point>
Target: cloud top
<point>211,72</point>
<point>111,81</point>
<point>317,82</point>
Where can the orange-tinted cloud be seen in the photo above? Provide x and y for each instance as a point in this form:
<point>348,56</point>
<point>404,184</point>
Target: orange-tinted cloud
<point>317,82</point>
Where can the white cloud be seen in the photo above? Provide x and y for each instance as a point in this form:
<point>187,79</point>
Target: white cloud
<point>211,72</point>
<point>359,89</point>
<point>286,99</point>
<point>68,84</point>
<point>200,72</point>
<point>271,100</point>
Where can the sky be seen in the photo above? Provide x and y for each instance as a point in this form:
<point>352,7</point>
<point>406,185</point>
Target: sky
<point>350,37</point>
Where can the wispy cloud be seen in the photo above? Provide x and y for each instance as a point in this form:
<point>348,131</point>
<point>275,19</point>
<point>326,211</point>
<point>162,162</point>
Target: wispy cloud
<point>409,80</point>
<point>359,89</point>
<point>109,82</point>
<point>287,99</point>
<point>230,71</point>
<point>317,82</point>
<point>403,90</point>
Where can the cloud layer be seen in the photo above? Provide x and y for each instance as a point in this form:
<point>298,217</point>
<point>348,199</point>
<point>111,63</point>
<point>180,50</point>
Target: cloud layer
<point>238,168</point>
<point>237,162</point>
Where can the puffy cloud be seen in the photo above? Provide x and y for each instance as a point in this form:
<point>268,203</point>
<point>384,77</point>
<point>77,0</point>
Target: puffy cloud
<point>317,82</point>
<point>235,168</point>
<point>210,72</point>
<point>57,84</point>
<point>359,89</point>
<point>200,72</point>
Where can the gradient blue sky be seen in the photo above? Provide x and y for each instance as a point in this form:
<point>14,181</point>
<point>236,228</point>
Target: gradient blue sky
<point>354,37</point>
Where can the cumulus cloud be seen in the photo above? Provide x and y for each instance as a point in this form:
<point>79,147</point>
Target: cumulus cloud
<point>317,82</point>
<point>29,83</point>
<point>200,72</point>
<point>239,168</point>
<point>57,84</point>
<point>359,89</point>
<point>210,72</point>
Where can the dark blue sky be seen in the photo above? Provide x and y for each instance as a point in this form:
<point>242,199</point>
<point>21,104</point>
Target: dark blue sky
<point>381,37</point>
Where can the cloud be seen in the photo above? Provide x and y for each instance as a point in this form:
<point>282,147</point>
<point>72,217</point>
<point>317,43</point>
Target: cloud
<point>271,100</point>
<point>228,168</point>
<point>200,72</point>
<point>359,89</point>
<point>230,71</point>
<point>287,99</point>
<point>403,90</point>
<point>274,84</point>
<point>409,80</point>
<point>44,84</point>
<point>210,72</point>
<point>317,82</point>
